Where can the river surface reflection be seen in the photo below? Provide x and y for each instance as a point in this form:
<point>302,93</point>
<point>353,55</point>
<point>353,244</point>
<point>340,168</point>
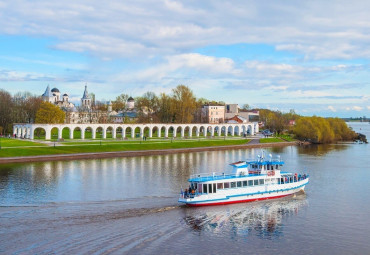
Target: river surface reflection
<point>129,205</point>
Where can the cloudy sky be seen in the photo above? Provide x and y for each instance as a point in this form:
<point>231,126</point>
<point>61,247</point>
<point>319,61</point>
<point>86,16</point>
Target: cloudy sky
<point>311,56</point>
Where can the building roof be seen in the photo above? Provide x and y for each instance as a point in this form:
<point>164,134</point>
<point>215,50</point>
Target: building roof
<point>47,92</point>
<point>126,114</point>
<point>237,119</point>
<point>86,94</point>
<point>55,90</point>
<point>130,99</point>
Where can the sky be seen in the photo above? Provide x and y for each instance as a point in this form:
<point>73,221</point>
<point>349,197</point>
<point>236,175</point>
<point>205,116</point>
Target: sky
<point>310,56</point>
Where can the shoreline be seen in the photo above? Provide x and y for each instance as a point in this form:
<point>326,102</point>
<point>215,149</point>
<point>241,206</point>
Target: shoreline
<point>100,155</point>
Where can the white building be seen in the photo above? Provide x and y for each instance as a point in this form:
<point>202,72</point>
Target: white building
<point>213,113</point>
<point>53,96</point>
<point>232,110</point>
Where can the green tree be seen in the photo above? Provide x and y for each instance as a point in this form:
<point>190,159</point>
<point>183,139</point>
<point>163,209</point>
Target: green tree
<point>165,113</point>
<point>6,104</point>
<point>321,130</point>
<point>120,103</point>
<point>184,104</point>
<point>50,114</point>
<point>148,106</point>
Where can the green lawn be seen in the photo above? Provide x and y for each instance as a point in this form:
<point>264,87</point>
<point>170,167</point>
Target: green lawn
<point>287,138</point>
<point>271,140</point>
<point>10,142</point>
<point>106,147</point>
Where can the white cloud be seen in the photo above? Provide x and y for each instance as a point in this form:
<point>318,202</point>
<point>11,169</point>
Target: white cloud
<point>357,108</point>
<point>11,76</point>
<point>331,108</point>
<point>146,28</point>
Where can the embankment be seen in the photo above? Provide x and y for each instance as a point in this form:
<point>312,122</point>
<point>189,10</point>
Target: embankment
<point>114,154</point>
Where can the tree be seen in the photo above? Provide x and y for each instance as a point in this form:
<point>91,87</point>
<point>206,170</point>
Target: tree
<point>165,112</point>
<point>321,130</point>
<point>50,114</point>
<point>148,106</point>
<point>120,103</point>
<point>6,105</point>
<point>245,107</point>
<point>184,104</point>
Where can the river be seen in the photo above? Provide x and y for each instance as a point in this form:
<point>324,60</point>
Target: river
<point>129,206</point>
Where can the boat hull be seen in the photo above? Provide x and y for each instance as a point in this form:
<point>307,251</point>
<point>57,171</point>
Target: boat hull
<point>245,198</point>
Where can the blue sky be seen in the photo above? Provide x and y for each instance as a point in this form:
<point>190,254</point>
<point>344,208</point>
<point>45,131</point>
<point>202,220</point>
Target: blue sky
<point>311,56</point>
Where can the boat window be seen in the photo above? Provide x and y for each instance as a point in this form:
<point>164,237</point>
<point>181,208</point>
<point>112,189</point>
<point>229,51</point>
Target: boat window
<point>268,167</point>
<point>205,190</point>
<point>210,188</point>
<point>245,183</point>
<point>262,181</point>
<point>214,187</point>
<point>272,167</point>
<point>220,185</point>
<point>277,167</point>
<point>200,188</point>
<point>233,184</point>
<point>250,183</point>
<point>195,185</point>
<point>255,182</point>
<point>226,185</point>
<point>239,184</point>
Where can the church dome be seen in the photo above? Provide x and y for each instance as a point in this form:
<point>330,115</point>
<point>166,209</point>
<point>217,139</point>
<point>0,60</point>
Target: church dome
<point>55,90</point>
<point>65,95</point>
<point>130,99</point>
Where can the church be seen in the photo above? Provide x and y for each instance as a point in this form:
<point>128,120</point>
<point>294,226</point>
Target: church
<point>87,111</point>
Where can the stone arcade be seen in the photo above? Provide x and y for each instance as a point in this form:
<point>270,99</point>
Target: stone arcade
<point>186,130</point>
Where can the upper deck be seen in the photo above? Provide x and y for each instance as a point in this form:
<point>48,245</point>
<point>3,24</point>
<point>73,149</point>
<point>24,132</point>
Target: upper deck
<point>218,176</point>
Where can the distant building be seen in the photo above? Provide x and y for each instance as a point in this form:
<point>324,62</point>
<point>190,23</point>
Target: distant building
<point>232,110</point>
<point>237,119</point>
<point>213,113</point>
<point>86,100</point>
<point>53,96</point>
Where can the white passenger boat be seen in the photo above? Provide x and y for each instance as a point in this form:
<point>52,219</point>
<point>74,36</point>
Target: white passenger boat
<point>248,181</point>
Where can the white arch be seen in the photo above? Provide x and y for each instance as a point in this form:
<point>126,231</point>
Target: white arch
<point>28,129</point>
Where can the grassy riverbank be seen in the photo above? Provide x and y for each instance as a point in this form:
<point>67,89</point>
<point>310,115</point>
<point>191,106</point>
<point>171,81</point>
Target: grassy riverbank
<point>271,140</point>
<point>106,146</point>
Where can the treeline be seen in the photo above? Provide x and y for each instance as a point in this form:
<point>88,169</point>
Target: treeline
<point>323,130</point>
<point>20,108</point>
<point>314,129</point>
<point>181,106</point>
<point>277,121</point>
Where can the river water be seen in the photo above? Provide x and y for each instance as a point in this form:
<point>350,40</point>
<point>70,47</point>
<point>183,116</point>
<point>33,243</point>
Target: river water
<point>129,206</point>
